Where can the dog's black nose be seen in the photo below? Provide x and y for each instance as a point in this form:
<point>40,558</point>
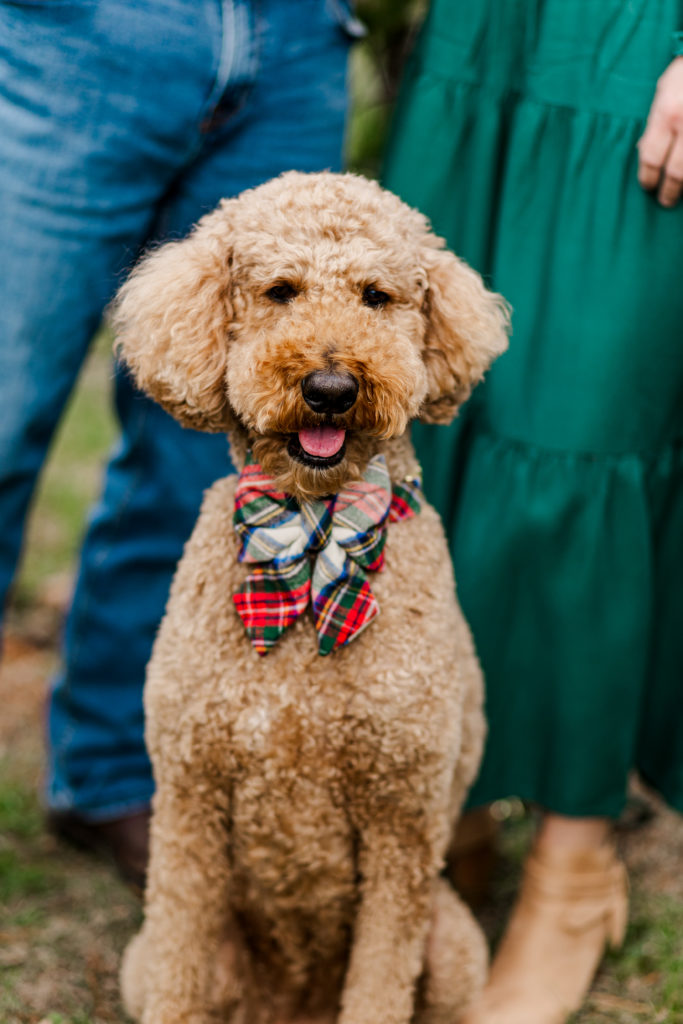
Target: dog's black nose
<point>329,391</point>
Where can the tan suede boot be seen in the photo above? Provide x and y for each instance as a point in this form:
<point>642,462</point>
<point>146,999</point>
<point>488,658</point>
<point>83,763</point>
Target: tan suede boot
<point>571,905</point>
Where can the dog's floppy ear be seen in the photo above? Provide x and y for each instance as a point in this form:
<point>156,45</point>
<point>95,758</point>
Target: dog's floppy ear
<point>172,320</point>
<point>467,328</point>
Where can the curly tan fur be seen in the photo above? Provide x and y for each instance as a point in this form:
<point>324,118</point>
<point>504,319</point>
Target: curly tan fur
<point>303,803</point>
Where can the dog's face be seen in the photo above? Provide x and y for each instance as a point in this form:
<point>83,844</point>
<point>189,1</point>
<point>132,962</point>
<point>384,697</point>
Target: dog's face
<point>316,315</point>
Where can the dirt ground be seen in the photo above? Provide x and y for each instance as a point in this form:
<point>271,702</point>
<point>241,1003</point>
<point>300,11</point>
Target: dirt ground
<point>65,918</point>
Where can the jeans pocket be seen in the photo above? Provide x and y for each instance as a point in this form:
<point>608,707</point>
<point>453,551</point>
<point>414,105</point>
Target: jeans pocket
<point>342,13</point>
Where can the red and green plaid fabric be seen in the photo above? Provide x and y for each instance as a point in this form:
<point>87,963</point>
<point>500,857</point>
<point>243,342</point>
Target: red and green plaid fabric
<point>317,552</point>
<point>405,499</point>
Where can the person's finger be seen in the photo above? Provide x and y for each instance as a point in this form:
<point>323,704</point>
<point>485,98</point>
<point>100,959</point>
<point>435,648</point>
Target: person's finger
<point>672,181</point>
<point>653,149</point>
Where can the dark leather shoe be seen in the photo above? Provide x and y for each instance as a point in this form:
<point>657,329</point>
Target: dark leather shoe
<point>125,841</point>
<point>472,856</point>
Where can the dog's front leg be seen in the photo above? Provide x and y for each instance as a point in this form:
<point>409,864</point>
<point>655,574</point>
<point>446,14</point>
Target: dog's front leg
<point>171,970</point>
<point>398,869</point>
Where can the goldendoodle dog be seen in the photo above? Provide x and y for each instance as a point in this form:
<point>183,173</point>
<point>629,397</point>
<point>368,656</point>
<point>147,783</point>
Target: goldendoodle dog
<point>314,702</point>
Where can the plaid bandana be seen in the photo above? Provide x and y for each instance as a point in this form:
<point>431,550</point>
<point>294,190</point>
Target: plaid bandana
<point>317,552</point>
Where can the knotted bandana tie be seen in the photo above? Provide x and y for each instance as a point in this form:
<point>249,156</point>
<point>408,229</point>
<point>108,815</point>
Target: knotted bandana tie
<point>317,552</point>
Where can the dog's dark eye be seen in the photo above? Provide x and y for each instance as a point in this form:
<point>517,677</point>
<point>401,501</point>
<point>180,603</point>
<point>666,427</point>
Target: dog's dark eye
<point>374,297</point>
<point>283,292</point>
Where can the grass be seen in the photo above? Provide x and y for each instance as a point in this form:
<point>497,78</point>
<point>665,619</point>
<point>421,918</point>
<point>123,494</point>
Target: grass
<point>64,920</point>
<point>70,480</point>
<point>650,965</point>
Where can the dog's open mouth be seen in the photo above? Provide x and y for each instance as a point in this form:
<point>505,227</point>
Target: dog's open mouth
<point>318,447</point>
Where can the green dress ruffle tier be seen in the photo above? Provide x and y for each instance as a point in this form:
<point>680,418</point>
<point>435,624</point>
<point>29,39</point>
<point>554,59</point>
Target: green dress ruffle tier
<point>561,482</point>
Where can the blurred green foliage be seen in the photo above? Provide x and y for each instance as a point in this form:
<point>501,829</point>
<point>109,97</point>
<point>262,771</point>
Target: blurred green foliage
<point>376,66</point>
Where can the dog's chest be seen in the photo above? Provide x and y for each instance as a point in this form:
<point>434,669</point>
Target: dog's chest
<point>303,726</point>
<point>335,727</point>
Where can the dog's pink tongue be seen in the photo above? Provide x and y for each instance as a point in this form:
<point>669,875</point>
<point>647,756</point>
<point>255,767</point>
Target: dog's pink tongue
<point>322,441</point>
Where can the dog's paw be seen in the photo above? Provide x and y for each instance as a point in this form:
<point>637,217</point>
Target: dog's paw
<point>133,977</point>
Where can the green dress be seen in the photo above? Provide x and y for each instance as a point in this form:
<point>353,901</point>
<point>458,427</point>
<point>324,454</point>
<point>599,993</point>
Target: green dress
<point>561,482</point>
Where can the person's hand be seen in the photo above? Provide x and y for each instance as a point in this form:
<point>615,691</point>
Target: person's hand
<point>660,148</point>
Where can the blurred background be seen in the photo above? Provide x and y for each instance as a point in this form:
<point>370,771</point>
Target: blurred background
<point>65,918</point>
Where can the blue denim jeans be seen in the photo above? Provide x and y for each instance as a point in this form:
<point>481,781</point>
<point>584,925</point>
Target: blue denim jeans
<point>121,123</point>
